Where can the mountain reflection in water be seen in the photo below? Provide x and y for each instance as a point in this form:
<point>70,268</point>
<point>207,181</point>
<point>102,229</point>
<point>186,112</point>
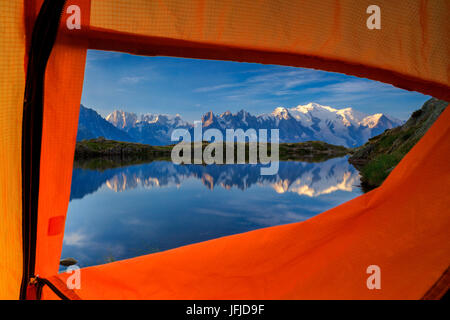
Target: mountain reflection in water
<point>128,211</point>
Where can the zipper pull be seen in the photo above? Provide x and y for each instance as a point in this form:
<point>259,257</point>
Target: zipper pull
<point>32,289</point>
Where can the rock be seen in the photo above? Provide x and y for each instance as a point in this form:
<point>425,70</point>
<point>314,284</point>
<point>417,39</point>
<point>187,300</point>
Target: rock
<point>67,262</point>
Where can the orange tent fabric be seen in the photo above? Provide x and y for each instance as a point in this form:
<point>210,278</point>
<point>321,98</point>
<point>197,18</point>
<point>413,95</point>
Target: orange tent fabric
<point>12,85</point>
<point>62,96</point>
<point>400,223</point>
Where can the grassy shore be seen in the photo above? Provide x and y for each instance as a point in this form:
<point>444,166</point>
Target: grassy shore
<point>379,156</point>
<point>100,152</point>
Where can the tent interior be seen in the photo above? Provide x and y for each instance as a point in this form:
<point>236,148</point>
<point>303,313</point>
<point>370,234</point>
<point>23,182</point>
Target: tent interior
<point>401,226</point>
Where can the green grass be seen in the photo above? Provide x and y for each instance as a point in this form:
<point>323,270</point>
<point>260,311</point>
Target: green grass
<point>376,159</point>
<point>377,170</point>
<point>387,141</point>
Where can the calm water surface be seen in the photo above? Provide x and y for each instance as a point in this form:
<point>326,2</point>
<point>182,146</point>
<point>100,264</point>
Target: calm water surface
<point>129,211</point>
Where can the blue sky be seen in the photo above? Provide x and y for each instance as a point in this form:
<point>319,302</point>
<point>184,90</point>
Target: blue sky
<point>193,87</point>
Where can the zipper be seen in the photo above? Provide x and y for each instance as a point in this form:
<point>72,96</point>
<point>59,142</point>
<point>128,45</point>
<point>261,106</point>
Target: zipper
<point>43,37</point>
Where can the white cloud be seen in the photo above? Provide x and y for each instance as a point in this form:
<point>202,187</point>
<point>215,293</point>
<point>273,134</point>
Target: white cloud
<point>77,239</point>
<point>353,86</point>
<point>267,82</point>
<point>272,85</point>
<point>218,87</point>
<point>132,79</point>
<point>351,91</point>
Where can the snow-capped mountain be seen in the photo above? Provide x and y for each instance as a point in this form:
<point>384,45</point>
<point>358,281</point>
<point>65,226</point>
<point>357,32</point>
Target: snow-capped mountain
<point>154,129</point>
<point>308,122</point>
<point>92,125</point>
<point>346,127</point>
<point>313,121</point>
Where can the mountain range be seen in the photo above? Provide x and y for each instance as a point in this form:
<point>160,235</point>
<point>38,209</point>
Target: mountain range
<point>313,121</point>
